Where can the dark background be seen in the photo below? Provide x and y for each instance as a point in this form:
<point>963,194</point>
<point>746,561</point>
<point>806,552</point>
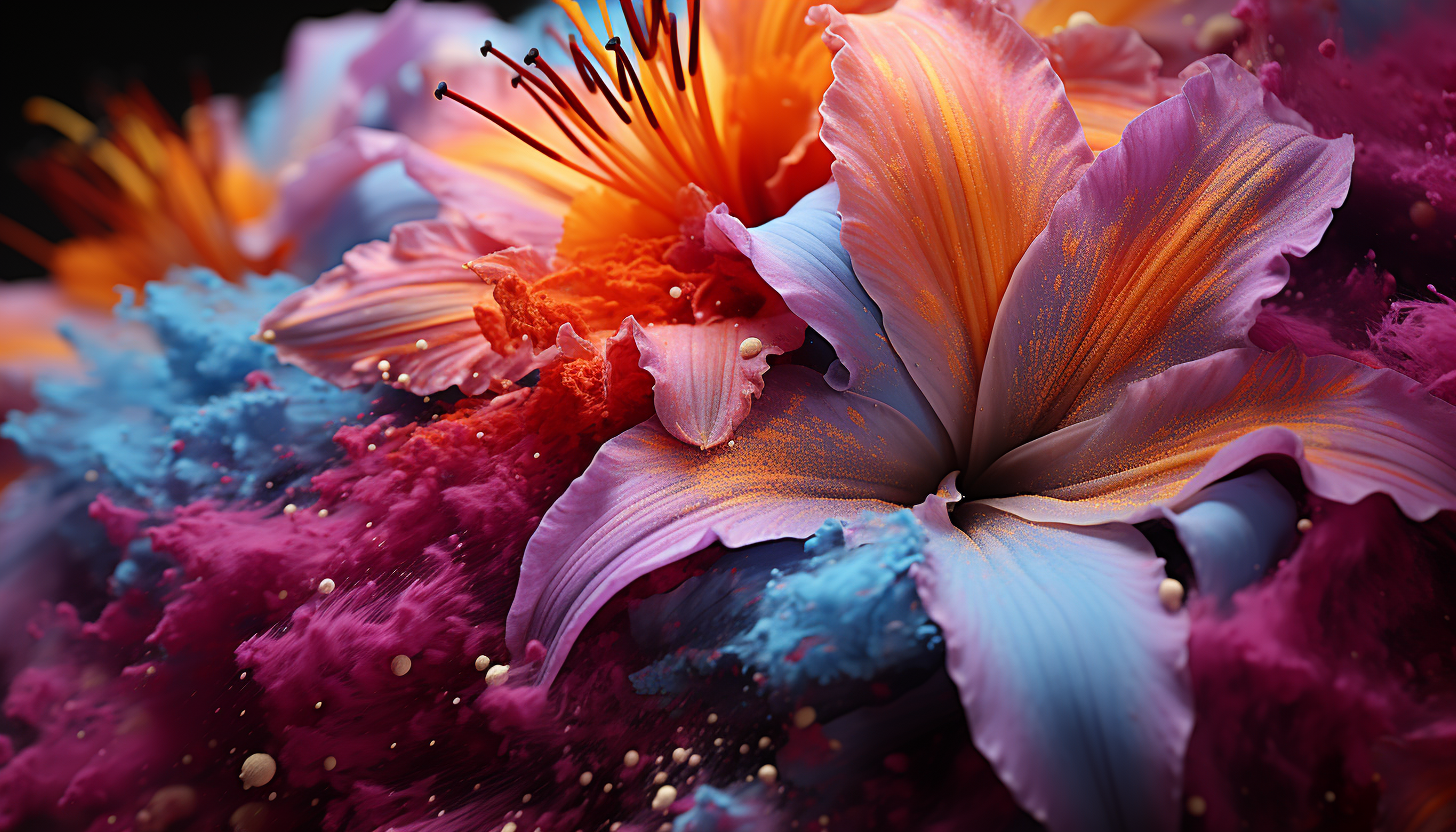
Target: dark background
<point>75,52</point>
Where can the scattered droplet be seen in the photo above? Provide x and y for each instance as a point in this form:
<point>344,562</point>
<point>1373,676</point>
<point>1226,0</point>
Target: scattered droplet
<point>258,770</point>
<point>326,586</point>
<point>675,292</point>
<point>631,759</point>
<point>497,675</point>
<point>400,665</point>
<point>289,509</point>
<point>1170,592</point>
<point>585,778</point>
<point>482,662</point>
<point>329,763</point>
<point>1304,524</point>
<point>1197,806</point>
<point>768,774</point>
<point>664,798</point>
<point>749,348</point>
<point>421,345</point>
<point>804,717</point>
<point>269,335</point>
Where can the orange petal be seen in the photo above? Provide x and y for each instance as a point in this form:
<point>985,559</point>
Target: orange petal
<point>953,139</point>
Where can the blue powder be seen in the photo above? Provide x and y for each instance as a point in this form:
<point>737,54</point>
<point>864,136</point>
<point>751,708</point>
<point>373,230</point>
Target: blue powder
<point>796,614</point>
<point>739,808</point>
<point>175,416</point>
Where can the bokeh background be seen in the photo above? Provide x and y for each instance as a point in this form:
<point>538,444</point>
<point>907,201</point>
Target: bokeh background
<point>75,53</point>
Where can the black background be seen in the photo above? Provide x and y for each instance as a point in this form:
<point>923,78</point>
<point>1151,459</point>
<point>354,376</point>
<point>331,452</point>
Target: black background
<point>75,52</point>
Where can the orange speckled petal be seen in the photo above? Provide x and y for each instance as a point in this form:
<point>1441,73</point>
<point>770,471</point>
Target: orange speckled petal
<point>952,140</point>
<point>386,298</point>
<point>1353,431</point>
<point>1161,254</point>
<point>707,375</point>
<point>804,454</point>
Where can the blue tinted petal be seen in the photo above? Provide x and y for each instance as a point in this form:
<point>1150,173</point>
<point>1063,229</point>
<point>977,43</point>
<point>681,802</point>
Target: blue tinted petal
<point>1233,529</point>
<point>1072,674</point>
<point>800,256</point>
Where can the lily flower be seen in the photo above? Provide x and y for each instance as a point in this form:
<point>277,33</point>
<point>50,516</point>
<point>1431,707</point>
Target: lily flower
<point>1036,350</point>
<point>648,128</point>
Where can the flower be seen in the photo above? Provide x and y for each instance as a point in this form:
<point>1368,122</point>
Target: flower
<point>648,142</point>
<point>1060,340</point>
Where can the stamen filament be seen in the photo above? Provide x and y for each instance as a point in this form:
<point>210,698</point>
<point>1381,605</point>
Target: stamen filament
<point>534,58</point>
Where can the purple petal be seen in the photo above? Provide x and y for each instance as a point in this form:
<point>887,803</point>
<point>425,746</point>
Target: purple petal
<point>1072,674</point>
<point>1354,431</point>
<point>1161,254</point>
<point>806,453</point>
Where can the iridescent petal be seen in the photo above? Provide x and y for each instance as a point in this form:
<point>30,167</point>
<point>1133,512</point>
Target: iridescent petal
<point>953,139</point>
<point>1161,254</point>
<point>805,453</point>
<point>1072,674</point>
<point>1354,431</point>
<point>800,256</point>
<point>707,375</point>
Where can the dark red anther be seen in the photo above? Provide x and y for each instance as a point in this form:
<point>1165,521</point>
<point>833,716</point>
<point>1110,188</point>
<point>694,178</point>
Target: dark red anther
<point>694,24</point>
<point>534,59</point>
<point>486,51</point>
<point>443,91</point>
<point>615,44</point>
<point>584,65</point>
<point>677,72</point>
<point>623,64</point>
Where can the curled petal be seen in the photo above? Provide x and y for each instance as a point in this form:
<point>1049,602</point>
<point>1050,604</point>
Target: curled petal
<point>800,256</point>
<point>953,139</point>
<point>1354,431</point>
<point>1161,254</point>
<point>388,297</point>
<point>1233,530</point>
<point>1072,674</point>
<point>707,375</point>
<point>1111,76</point>
<point>805,453</point>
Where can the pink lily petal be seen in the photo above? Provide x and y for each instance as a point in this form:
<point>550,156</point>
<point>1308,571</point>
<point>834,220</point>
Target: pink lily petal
<point>805,453</point>
<point>953,139</point>
<point>466,196</point>
<point>707,375</point>
<point>387,297</point>
<point>1353,431</point>
<point>1161,254</point>
<point>1073,675</point>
